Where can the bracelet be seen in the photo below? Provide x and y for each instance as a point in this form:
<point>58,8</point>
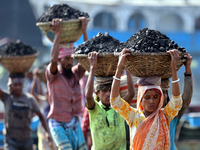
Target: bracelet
<point>188,74</point>
<point>116,78</point>
<point>175,80</point>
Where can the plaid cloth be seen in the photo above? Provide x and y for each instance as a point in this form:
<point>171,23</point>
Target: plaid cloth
<point>66,125</point>
<point>67,136</point>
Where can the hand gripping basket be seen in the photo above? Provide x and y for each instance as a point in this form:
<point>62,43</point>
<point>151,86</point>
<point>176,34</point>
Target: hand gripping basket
<point>18,64</point>
<point>71,30</point>
<point>151,64</point>
<point>106,63</point>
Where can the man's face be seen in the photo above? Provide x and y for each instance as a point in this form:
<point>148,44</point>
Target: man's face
<point>66,62</point>
<point>104,96</point>
<point>16,88</point>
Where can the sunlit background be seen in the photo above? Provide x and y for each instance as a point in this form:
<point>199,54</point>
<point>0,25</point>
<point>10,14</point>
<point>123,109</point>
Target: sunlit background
<point>178,19</point>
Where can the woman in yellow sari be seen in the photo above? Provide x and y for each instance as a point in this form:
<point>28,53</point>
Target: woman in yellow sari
<point>149,123</point>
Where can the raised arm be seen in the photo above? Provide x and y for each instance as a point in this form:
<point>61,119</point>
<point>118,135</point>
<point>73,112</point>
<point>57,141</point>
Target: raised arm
<point>188,86</point>
<point>131,91</point>
<point>172,108</point>
<point>84,23</point>
<point>132,116</point>
<point>33,86</point>
<point>92,57</point>
<point>57,27</point>
<point>174,60</point>
<point>116,82</point>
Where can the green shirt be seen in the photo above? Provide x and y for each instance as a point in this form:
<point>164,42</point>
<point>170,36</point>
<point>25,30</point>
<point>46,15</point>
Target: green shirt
<point>107,128</point>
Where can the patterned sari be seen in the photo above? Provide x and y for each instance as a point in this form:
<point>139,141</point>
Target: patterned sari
<point>151,133</point>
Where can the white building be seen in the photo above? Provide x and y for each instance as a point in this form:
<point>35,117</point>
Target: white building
<point>126,15</point>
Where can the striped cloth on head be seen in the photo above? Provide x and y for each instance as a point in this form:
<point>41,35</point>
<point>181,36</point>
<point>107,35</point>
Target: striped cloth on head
<point>124,89</point>
<point>65,50</point>
<point>103,83</point>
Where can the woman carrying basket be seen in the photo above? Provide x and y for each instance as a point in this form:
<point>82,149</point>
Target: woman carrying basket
<point>149,123</point>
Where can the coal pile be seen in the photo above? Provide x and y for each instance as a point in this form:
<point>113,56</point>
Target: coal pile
<point>147,40</point>
<point>101,43</point>
<point>17,48</point>
<point>62,11</point>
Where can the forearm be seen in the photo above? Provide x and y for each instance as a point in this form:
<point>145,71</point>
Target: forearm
<point>44,123</point>
<point>33,85</point>
<point>131,92</point>
<point>89,88</point>
<point>85,36</point>
<point>116,83</point>
<point>40,87</point>
<point>55,48</point>
<point>187,95</point>
<point>175,86</point>
<point>32,91</point>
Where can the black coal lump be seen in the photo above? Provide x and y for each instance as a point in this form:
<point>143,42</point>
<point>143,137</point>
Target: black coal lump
<point>62,11</point>
<point>147,40</point>
<point>17,48</point>
<point>101,43</point>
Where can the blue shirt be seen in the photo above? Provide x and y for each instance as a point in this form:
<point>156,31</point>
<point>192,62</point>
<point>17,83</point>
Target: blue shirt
<point>173,125</point>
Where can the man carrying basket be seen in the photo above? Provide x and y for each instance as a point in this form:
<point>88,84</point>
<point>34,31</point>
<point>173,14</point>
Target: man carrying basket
<point>107,125</point>
<point>65,93</point>
<point>19,109</point>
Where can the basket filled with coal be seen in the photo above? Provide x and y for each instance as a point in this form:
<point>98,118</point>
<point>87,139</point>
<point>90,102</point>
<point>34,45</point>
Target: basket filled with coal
<point>17,57</point>
<point>71,25</point>
<point>149,55</point>
<point>105,45</point>
<point>41,72</point>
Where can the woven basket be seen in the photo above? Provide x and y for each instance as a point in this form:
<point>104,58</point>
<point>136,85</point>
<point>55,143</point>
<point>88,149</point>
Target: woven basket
<point>18,64</point>
<point>151,64</point>
<point>41,75</point>
<point>106,63</point>
<point>168,73</point>
<point>71,30</point>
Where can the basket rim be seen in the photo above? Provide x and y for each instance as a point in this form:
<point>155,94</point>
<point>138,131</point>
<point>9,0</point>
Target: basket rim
<point>67,21</point>
<point>7,56</point>
<point>100,55</point>
<point>150,53</point>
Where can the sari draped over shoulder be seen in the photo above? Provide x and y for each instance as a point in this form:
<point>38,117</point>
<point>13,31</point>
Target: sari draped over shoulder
<point>151,133</point>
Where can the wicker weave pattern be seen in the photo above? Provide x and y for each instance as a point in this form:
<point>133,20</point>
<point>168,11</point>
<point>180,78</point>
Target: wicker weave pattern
<point>18,64</point>
<point>106,64</point>
<point>71,31</point>
<point>41,75</point>
<point>168,73</point>
<point>151,64</point>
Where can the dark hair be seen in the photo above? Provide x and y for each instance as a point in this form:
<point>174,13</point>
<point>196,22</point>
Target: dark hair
<point>16,75</point>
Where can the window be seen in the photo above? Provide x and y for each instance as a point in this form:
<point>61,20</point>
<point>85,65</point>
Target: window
<point>137,22</point>
<point>105,20</point>
<point>171,23</point>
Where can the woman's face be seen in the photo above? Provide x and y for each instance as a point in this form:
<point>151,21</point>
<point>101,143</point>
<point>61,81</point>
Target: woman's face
<point>150,100</point>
